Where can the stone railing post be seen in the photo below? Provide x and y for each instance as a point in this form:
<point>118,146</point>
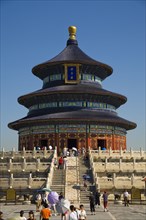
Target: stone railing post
<point>141,152</point>
<point>30,180</point>
<point>93,171</point>
<point>3,153</point>
<point>45,152</point>
<point>91,161</point>
<point>89,150</point>
<point>132,179</point>
<point>114,178</point>
<point>50,174</point>
<point>10,165</point>
<point>13,153</point>
<point>55,152</point>
<point>38,164</point>
<point>120,164</point>
<point>99,151</point>
<point>106,163</point>
<point>97,182</point>
<point>78,174</point>
<point>92,165</point>
<point>110,152</point>
<point>131,152</point>
<point>34,152</point>
<point>121,152</point>
<point>23,152</point>
<point>24,164</point>
<point>78,180</point>
<point>11,181</point>
<point>96,178</point>
<point>134,164</point>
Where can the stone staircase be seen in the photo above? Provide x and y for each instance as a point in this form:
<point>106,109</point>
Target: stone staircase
<point>59,184</point>
<point>58,181</point>
<point>84,168</point>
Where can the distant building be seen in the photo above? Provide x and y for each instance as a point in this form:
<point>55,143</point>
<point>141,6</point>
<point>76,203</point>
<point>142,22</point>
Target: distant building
<point>72,109</point>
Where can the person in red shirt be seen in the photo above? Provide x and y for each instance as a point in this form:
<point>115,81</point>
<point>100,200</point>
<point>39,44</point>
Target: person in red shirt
<point>60,165</point>
<point>45,213</point>
<point>105,200</point>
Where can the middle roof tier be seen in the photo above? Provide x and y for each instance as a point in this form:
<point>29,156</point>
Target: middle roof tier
<point>79,92</point>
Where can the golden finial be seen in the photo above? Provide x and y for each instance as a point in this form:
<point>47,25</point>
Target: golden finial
<point>72,32</point>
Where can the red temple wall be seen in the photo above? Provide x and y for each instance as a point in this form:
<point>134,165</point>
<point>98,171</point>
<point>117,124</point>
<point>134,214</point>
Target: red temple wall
<point>82,140</point>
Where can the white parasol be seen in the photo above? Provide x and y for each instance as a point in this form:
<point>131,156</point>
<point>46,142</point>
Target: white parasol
<point>74,148</point>
<point>62,206</point>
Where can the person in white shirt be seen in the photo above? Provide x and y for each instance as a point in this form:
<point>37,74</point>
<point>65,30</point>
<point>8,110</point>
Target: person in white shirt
<point>45,198</point>
<point>126,198</point>
<point>72,214</point>
<point>65,151</point>
<point>21,215</point>
<point>64,162</point>
<point>82,213</point>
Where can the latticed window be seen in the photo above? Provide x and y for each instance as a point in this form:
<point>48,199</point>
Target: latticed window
<point>55,77</point>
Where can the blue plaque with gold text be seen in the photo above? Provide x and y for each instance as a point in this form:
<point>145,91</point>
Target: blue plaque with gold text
<point>71,73</point>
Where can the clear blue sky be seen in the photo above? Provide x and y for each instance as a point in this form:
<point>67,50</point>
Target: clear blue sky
<point>112,32</point>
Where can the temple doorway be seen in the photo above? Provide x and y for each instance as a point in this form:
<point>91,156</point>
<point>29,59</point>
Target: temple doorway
<point>43,143</point>
<point>71,143</point>
<point>101,143</point>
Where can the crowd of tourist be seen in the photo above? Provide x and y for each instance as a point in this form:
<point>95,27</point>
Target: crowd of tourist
<point>46,210</point>
<point>71,212</point>
<point>61,163</point>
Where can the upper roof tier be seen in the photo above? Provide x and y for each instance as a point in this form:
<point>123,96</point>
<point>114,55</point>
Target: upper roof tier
<point>72,54</point>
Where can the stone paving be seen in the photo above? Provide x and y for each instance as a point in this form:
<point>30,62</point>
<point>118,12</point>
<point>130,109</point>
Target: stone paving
<point>116,212</point>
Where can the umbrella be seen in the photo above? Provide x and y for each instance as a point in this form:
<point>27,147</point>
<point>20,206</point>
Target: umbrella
<point>74,148</point>
<point>85,176</point>
<point>53,197</point>
<point>62,206</point>
<point>46,189</point>
<point>38,148</point>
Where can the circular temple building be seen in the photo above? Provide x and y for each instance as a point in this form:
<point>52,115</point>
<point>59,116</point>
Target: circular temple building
<point>72,109</point>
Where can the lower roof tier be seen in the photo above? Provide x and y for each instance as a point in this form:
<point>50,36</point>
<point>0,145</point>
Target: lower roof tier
<point>80,116</point>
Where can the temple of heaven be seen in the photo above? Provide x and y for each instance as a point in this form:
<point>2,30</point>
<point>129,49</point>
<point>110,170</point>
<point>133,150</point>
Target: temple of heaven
<point>72,109</point>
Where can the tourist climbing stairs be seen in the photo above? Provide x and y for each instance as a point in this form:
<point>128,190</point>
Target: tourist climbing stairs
<point>84,169</point>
